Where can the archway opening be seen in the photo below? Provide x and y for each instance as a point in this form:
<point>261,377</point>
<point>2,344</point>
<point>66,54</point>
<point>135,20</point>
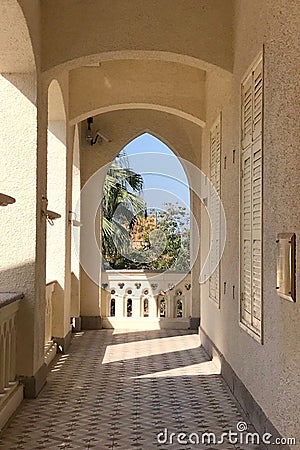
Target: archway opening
<point>146,209</point>
<point>55,211</point>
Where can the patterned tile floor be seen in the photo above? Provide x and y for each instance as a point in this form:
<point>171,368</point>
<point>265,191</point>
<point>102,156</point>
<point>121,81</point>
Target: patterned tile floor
<point>119,390</point>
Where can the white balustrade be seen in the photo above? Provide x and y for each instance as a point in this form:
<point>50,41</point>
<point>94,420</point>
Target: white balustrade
<point>8,345</point>
<point>135,297</point>
<point>50,346</point>
<point>48,312</point>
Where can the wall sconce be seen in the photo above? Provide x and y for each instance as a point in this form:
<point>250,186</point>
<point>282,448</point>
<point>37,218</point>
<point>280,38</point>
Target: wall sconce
<point>6,200</point>
<point>73,220</point>
<point>50,215</point>
<point>92,138</point>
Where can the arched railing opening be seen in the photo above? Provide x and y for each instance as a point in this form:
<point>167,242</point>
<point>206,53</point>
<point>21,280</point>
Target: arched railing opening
<point>179,308</point>
<point>113,307</point>
<point>162,307</point>
<point>146,307</point>
<point>129,307</point>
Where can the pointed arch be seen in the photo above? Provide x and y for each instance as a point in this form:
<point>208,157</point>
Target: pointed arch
<point>143,106</point>
<point>160,138</point>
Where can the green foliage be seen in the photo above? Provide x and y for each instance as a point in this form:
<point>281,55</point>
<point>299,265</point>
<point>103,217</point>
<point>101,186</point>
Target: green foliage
<point>129,240</point>
<point>121,205</point>
<point>174,223</point>
<point>171,230</point>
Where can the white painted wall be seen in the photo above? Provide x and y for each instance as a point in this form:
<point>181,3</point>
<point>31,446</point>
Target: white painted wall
<point>18,221</point>
<point>75,233</point>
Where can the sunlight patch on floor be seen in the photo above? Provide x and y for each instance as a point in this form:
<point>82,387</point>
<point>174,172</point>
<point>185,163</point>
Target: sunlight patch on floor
<point>141,349</point>
<point>204,368</point>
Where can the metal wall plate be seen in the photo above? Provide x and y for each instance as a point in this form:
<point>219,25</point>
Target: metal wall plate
<point>286,266</point>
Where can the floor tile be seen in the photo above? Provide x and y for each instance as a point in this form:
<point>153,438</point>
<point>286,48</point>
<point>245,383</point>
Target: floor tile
<point>123,390</point>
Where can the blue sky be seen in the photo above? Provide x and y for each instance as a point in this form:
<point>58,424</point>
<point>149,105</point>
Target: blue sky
<point>164,177</point>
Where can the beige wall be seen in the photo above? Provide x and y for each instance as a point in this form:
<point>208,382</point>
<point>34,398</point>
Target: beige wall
<point>16,47</point>
<point>270,371</point>
<point>18,179</point>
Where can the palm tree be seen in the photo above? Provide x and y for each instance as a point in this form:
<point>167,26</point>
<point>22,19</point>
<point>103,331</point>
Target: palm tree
<point>121,207</point>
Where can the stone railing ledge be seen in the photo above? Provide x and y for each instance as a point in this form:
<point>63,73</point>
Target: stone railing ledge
<point>9,297</point>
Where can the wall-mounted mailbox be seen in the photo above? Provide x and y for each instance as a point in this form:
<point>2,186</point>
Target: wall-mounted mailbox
<point>286,266</point>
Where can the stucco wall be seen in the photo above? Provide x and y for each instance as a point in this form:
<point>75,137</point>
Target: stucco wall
<point>269,371</point>
<point>18,179</point>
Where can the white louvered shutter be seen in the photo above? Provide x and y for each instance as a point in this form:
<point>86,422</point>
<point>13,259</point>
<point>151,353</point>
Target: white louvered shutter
<point>256,235</point>
<point>257,99</point>
<point>246,239</point>
<point>215,176</point>
<point>247,111</point>
<point>251,199</point>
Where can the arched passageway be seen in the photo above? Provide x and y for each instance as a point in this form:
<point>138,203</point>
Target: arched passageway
<point>185,74</point>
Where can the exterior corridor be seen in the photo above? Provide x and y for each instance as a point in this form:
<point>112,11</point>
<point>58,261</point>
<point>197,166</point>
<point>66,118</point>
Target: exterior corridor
<point>119,390</point>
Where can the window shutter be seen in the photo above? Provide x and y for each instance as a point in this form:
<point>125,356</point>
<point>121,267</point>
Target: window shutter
<point>247,111</point>
<point>251,199</point>
<point>256,235</point>
<point>215,177</point>
<point>246,238</point>
<point>257,99</point>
